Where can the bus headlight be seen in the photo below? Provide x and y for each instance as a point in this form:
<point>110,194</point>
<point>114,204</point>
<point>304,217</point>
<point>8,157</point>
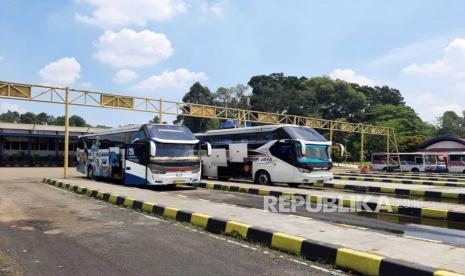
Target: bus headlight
<point>304,170</point>
<point>157,169</point>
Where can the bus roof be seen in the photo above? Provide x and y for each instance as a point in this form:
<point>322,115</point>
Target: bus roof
<point>115,130</point>
<point>245,129</point>
<point>409,153</point>
<point>293,131</point>
<point>163,133</point>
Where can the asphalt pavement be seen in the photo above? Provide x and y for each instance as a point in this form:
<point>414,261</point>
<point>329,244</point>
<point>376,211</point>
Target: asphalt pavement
<point>47,231</point>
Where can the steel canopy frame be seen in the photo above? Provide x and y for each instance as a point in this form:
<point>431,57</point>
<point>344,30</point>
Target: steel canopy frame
<point>68,96</point>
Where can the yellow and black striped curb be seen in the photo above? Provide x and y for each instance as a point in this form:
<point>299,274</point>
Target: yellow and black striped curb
<point>362,262</point>
<point>414,175</point>
<point>408,177</point>
<point>399,181</point>
<point>365,206</point>
<point>389,190</point>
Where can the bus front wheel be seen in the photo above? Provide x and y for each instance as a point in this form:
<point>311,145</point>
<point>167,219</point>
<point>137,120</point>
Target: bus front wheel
<point>415,170</point>
<point>262,178</point>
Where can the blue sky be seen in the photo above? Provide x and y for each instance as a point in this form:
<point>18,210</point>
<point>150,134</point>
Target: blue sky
<point>158,48</point>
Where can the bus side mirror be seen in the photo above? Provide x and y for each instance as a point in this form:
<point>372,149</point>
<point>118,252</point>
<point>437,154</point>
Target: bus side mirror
<point>303,147</point>
<point>209,149</point>
<point>342,149</point>
<point>153,148</point>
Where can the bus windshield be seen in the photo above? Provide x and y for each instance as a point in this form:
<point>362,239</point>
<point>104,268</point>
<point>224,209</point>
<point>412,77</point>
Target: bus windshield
<point>165,150</point>
<point>314,153</point>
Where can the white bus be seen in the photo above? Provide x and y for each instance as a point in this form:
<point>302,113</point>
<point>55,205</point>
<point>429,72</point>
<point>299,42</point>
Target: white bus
<point>456,162</point>
<point>410,161</point>
<point>149,154</point>
<point>266,154</point>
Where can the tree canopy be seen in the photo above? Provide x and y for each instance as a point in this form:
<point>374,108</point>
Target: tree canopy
<point>41,119</point>
<point>323,97</point>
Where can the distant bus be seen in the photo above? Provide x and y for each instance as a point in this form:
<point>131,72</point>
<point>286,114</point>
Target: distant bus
<point>266,154</point>
<point>149,154</point>
<point>456,162</point>
<point>409,161</point>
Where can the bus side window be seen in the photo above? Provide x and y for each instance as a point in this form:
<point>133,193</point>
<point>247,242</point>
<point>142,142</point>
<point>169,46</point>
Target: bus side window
<point>419,160</point>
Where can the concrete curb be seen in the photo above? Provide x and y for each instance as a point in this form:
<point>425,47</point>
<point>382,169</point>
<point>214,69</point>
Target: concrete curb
<point>388,190</point>
<point>362,262</point>
<point>399,181</point>
<point>427,176</point>
<point>446,215</point>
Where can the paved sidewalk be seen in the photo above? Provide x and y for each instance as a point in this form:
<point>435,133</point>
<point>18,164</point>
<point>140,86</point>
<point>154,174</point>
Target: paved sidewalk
<point>408,250</point>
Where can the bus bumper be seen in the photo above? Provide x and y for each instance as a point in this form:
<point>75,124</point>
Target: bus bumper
<point>173,178</point>
<point>314,177</point>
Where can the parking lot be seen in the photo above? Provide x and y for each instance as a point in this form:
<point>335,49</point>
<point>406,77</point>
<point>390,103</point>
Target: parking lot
<point>48,231</point>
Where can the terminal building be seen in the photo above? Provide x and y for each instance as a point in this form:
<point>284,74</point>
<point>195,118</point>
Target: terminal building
<point>443,144</point>
<point>37,145</point>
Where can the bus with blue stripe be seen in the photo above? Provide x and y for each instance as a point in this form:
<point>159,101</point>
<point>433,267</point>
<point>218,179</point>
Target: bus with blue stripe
<point>148,154</point>
<point>267,154</point>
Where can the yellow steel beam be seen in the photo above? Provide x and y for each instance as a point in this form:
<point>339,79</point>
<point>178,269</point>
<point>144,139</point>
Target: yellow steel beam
<point>51,94</point>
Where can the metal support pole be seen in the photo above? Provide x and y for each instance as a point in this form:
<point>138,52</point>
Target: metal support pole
<point>388,157</point>
<point>239,119</point>
<point>160,116</point>
<point>331,132</point>
<point>66,153</point>
<point>362,156</point>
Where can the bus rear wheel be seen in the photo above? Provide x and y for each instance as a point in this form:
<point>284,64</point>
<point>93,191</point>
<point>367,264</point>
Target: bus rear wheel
<point>262,178</point>
<point>415,170</point>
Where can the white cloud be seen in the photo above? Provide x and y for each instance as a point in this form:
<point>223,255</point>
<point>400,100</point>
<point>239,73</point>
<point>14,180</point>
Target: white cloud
<point>114,13</point>
<point>216,8</point>
<point>125,76</point>
<point>350,76</point>
<point>450,65</point>
<point>4,107</point>
<point>63,71</point>
<point>430,106</point>
<point>87,84</point>
<point>179,79</point>
<point>128,48</point>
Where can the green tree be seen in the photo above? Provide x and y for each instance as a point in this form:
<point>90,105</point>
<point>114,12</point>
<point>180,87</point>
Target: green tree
<point>198,94</point>
<point>234,97</point>
<point>43,118</point>
<point>10,116</point>
<point>279,94</point>
<point>451,124</point>
<point>28,118</point>
<point>336,99</point>
<point>408,126</point>
<point>74,120</point>
<point>78,121</point>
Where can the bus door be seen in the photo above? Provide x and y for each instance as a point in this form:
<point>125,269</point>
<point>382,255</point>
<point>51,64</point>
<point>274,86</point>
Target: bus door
<point>135,168</point>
